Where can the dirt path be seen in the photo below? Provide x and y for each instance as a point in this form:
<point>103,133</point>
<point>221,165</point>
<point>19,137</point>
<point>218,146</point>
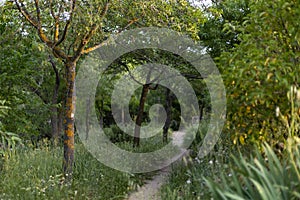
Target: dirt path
<point>150,191</point>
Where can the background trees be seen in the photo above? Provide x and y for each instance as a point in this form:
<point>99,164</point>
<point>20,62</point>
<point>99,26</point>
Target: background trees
<point>27,80</point>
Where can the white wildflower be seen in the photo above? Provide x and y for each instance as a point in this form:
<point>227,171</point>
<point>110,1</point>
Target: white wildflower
<point>277,111</point>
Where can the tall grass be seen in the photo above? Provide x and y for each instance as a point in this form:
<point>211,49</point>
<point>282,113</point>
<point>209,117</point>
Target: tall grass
<point>262,177</point>
<point>37,174</point>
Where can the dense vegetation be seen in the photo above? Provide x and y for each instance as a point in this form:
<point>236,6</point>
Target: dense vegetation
<point>255,45</point>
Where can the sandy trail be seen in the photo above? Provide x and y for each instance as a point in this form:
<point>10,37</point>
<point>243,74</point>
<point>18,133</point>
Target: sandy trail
<point>150,191</point>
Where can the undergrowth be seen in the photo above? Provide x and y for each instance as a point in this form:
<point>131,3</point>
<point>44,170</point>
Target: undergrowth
<point>36,173</point>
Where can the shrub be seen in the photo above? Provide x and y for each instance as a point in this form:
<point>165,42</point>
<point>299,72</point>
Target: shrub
<point>259,71</point>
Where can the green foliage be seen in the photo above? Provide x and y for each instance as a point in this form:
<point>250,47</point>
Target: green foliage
<point>3,108</point>
<point>220,32</point>
<point>259,72</point>
<point>8,143</point>
<point>115,134</point>
<point>8,140</point>
<point>262,177</point>
<point>24,81</point>
<point>291,120</point>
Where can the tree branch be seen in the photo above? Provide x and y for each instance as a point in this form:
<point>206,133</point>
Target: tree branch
<point>73,2</point>
<point>57,80</point>
<point>25,13</point>
<point>130,74</point>
<point>38,13</point>
<point>92,31</point>
<point>51,9</point>
<point>59,53</point>
<point>104,10</point>
<point>34,22</point>
<point>192,76</point>
<point>56,20</point>
<point>153,88</point>
<point>105,42</point>
<point>38,93</point>
<point>85,40</point>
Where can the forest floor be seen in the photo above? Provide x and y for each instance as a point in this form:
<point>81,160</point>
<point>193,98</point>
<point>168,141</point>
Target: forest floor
<point>150,191</point>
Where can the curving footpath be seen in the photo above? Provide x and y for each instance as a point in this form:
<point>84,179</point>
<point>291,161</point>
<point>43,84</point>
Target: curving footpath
<point>150,191</point>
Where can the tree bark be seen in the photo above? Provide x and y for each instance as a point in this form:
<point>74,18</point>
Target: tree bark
<point>123,115</point>
<point>54,109</point>
<point>169,115</point>
<point>60,121</point>
<point>87,117</point>
<point>54,125</point>
<point>139,118</point>
<point>101,112</point>
<point>69,120</point>
<point>201,111</point>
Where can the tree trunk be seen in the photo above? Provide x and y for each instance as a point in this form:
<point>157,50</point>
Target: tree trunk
<point>201,111</point>
<point>54,125</point>
<point>54,109</point>
<point>60,121</point>
<point>169,115</point>
<point>87,117</point>
<point>123,115</point>
<point>101,113</point>
<point>139,118</point>
<point>69,120</point>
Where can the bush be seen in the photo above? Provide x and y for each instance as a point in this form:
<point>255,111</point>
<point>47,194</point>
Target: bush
<point>258,72</point>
